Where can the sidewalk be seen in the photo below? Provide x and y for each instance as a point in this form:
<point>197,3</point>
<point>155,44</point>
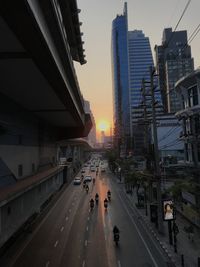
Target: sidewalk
<point>190,249</point>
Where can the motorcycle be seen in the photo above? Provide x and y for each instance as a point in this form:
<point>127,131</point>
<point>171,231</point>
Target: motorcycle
<point>91,205</point>
<point>116,238</point>
<point>105,206</point>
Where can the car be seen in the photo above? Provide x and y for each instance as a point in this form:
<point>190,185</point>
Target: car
<point>83,171</point>
<point>88,178</point>
<point>93,169</point>
<point>103,169</point>
<point>77,181</point>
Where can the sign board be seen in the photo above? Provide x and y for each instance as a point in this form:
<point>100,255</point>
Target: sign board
<point>168,210</point>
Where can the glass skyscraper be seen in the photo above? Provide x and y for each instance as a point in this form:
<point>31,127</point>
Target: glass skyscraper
<point>120,73</point>
<point>131,61</point>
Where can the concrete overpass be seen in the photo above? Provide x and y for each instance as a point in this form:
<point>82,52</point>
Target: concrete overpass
<point>40,103</point>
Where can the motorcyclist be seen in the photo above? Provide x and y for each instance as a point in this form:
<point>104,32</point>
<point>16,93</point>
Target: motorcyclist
<point>116,234</point>
<point>87,188</point>
<point>91,203</point>
<point>109,195</point>
<point>115,230</point>
<point>97,198</point>
<point>105,203</point>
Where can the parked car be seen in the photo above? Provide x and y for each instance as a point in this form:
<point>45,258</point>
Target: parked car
<point>88,178</point>
<point>77,181</point>
<point>103,169</point>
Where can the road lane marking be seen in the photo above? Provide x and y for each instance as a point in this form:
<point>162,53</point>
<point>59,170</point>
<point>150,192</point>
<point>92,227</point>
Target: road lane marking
<point>47,264</point>
<point>66,219</point>
<point>55,245</point>
<point>88,218</point>
<point>72,203</point>
<point>83,264</point>
<point>70,210</point>
<point>87,228</point>
<point>119,264</point>
<point>62,228</point>
<point>138,231</point>
<point>86,243</point>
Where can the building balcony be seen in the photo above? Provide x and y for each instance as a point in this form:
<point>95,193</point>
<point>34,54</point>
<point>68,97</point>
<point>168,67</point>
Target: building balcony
<point>188,112</point>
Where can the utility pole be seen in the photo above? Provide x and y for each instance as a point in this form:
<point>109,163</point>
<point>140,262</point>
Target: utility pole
<point>156,154</point>
<point>145,115</point>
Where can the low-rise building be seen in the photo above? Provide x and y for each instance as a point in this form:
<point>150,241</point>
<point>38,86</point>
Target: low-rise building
<point>188,89</point>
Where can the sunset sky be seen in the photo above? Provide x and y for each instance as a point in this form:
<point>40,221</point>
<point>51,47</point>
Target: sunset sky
<point>151,16</point>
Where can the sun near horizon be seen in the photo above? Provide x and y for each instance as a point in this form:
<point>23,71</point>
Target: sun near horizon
<point>103,125</point>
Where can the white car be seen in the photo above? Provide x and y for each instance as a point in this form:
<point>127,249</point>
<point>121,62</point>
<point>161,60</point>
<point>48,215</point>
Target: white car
<point>88,178</point>
<point>77,181</point>
<point>103,169</point>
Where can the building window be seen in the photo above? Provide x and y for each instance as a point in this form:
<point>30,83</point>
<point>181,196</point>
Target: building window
<point>20,170</point>
<point>193,96</point>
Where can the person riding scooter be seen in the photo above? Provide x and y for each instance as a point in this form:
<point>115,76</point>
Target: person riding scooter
<point>105,203</point>
<point>109,195</point>
<point>97,198</point>
<point>116,234</point>
<point>91,203</point>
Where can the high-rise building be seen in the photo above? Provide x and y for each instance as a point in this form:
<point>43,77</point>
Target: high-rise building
<point>140,60</point>
<point>131,61</point>
<point>173,61</point>
<point>119,53</point>
<point>91,138</point>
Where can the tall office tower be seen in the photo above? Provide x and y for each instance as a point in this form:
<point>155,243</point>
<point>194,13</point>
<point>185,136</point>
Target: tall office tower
<point>119,53</point>
<point>131,61</point>
<point>140,60</point>
<point>173,61</point>
<point>91,138</point>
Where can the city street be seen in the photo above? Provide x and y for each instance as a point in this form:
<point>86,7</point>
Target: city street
<point>72,235</point>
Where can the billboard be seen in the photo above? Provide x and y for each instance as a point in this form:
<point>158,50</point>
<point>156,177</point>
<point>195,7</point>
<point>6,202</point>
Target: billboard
<point>168,210</point>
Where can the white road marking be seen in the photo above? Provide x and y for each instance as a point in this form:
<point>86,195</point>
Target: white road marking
<point>72,203</point>
<point>55,245</point>
<point>87,228</point>
<point>88,218</point>
<point>62,228</point>
<point>66,218</point>
<point>86,243</point>
<point>119,264</point>
<point>47,264</point>
<point>70,210</point>
<point>138,231</point>
<point>83,263</point>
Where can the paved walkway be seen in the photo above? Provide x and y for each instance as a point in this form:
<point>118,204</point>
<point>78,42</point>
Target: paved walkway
<point>185,246</point>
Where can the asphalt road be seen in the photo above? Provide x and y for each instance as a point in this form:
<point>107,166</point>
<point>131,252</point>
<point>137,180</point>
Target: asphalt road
<point>73,235</point>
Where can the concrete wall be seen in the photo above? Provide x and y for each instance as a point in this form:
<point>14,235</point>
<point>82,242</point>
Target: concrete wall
<point>16,212</point>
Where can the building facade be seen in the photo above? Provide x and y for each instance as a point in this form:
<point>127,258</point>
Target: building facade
<point>188,89</point>
<point>173,61</point>
<point>131,62</point>
<point>140,61</point>
<point>119,54</point>
<point>91,138</point>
